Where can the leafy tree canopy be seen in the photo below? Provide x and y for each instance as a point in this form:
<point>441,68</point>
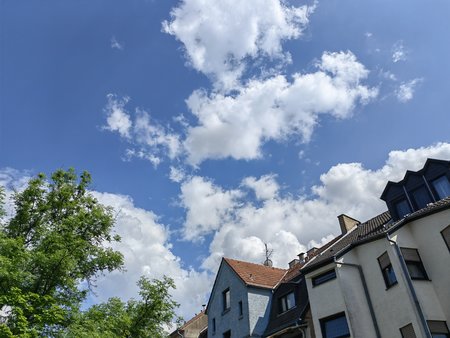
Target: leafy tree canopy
<point>57,240</point>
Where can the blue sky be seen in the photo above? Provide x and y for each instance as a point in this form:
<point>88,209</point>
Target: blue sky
<point>213,128</point>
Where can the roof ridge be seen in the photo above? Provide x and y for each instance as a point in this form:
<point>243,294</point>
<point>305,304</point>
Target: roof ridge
<point>259,265</point>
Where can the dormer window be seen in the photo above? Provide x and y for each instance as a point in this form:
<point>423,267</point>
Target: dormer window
<point>421,197</point>
<point>442,187</point>
<point>286,302</point>
<point>402,208</point>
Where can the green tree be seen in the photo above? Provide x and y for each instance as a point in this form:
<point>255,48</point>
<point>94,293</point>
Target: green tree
<point>56,240</point>
<point>136,318</point>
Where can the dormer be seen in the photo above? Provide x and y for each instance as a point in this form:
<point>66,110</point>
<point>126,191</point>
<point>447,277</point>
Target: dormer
<point>418,188</point>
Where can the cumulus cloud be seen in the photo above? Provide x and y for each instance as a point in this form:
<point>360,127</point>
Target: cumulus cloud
<point>273,109</point>
<point>116,44</point>
<point>219,37</point>
<point>405,91</point>
<point>266,187</point>
<point>148,139</point>
<point>399,52</point>
<point>291,224</point>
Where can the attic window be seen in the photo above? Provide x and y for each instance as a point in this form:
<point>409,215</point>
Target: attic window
<point>442,186</point>
<point>286,302</point>
<point>402,208</point>
<point>226,300</point>
<point>421,197</point>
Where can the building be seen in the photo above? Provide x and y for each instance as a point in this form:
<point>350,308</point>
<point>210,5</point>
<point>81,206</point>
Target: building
<point>196,327</point>
<point>240,300</point>
<point>389,276</point>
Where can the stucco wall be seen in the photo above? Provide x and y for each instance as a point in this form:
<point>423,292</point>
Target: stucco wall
<point>259,310</point>
<point>229,320</point>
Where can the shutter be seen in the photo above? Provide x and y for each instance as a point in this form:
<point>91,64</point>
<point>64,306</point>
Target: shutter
<point>411,255</point>
<point>384,261</point>
<point>437,326</point>
<point>408,331</point>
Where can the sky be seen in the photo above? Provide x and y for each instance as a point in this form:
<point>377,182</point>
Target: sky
<point>214,127</point>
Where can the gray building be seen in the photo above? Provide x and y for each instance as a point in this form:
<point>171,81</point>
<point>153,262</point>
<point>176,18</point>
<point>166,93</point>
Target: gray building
<point>240,300</point>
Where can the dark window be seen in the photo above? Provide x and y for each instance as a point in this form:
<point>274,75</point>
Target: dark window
<point>324,277</point>
<point>286,302</point>
<point>438,329</point>
<point>227,334</point>
<point>414,263</point>
<point>226,299</point>
<point>241,310</point>
<point>446,235</point>
<point>335,326</point>
<point>442,187</point>
<point>402,208</point>
<point>421,197</point>
<point>213,325</point>
<point>408,331</point>
<point>387,270</point>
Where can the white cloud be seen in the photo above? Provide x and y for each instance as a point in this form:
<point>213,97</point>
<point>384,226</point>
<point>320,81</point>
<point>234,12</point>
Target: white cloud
<point>288,223</point>
<point>149,140</point>
<point>405,91</point>
<point>273,109</point>
<point>220,36</point>
<point>177,174</point>
<point>399,53</point>
<point>266,187</point>
<point>116,44</point>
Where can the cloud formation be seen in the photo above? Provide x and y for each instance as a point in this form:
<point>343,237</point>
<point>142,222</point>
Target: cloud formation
<point>238,125</point>
<point>291,224</point>
<point>399,52</point>
<point>116,44</point>
<point>405,91</point>
<point>220,36</point>
<point>148,139</point>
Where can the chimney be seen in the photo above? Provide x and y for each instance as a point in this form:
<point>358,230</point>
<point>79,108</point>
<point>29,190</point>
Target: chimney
<point>293,262</point>
<point>301,257</point>
<point>310,253</point>
<point>347,223</point>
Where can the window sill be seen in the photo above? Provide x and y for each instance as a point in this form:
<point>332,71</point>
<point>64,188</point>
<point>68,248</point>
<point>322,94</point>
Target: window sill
<point>225,311</point>
<point>421,279</point>
<point>282,313</point>
<point>391,286</point>
<point>241,316</point>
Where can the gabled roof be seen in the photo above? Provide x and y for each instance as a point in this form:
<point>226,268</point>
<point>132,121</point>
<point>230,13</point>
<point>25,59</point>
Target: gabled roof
<point>375,228</point>
<point>189,322</point>
<point>256,274</point>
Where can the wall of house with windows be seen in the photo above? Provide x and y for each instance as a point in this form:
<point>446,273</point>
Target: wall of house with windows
<point>325,297</point>
<point>227,309</point>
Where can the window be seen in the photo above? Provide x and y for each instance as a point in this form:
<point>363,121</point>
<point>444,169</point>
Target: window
<point>324,277</point>
<point>227,334</point>
<point>241,310</point>
<point>286,302</point>
<point>421,197</point>
<point>335,326</point>
<point>214,325</point>
<point>408,331</point>
<point>414,263</point>
<point>387,270</point>
<point>446,235</point>
<point>226,300</point>
<point>442,186</point>
<point>402,208</point>
<point>438,329</point>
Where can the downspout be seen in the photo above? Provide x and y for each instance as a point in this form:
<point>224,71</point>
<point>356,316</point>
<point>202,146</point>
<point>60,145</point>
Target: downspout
<point>410,286</point>
<point>366,292</point>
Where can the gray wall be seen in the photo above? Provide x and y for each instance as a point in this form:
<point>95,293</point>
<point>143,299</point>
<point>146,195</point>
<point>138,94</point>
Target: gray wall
<point>259,310</point>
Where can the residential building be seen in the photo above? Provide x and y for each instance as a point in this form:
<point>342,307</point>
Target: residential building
<point>389,276</point>
<point>240,300</point>
<point>196,327</point>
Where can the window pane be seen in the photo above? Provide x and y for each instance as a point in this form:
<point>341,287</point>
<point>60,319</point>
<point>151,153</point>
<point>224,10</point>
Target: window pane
<point>446,235</point>
<point>290,299</point>
<point>442,187</point>
<point>389,275</point>
<point>416,271</point>
<point>336,327</point>
<point>421,197</point>
<point>402,208</point>
<point>325,277</point>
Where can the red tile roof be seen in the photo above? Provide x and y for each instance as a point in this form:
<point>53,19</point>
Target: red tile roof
<point>256,274</point>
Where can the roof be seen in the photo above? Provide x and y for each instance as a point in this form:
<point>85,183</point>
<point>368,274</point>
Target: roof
<point>189,322</point>
<point>256,274</point>
<point>372,229</point>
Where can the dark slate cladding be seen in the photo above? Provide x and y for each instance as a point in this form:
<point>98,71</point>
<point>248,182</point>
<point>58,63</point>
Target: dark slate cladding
<point>373,229</point>
<point>294,316</point>
<point>413,181</point>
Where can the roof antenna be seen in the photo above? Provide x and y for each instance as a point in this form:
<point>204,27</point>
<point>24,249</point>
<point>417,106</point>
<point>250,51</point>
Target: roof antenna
<point>268,253</point>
